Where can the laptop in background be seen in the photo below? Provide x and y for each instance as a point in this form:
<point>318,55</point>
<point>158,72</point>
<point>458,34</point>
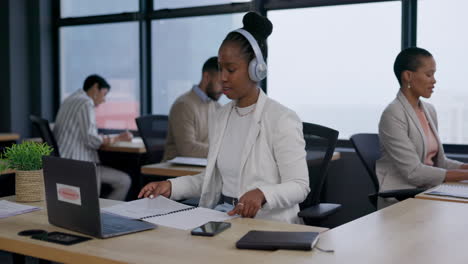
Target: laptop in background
<point>73,203</point>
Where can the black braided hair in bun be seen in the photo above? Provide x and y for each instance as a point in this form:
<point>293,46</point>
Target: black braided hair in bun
<point>260,28</point>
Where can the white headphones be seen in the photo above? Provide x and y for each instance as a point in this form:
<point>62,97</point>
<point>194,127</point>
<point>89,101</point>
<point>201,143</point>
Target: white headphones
<point>257,66</point>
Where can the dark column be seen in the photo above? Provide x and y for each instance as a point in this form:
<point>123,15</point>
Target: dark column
<point>26,64</point>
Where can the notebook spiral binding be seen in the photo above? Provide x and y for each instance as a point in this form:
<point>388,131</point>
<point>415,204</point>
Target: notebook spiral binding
<point>173,212</point>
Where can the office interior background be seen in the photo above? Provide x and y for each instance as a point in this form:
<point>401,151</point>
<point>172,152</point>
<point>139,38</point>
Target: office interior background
<point>329,60</point>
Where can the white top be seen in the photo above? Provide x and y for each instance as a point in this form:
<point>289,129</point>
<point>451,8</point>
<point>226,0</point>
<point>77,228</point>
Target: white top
<point>272,160</point>
<point>232,145</point>
<point>75,128</point>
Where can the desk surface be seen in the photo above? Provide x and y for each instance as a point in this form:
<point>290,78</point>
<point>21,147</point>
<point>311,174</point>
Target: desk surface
<point>135,146</point>
<point>7,171</point>
<point>412,231</point>
<point>9,136</point>
<point>172,170</point>
<point>162,245</point>
<point>425,196</point>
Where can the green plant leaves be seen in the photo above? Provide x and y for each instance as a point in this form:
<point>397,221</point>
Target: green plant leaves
<point>25,156</point>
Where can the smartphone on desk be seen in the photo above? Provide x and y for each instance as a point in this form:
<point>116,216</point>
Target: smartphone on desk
<point>210,228</point>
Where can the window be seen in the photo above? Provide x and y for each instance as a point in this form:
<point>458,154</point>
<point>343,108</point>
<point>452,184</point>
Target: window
<point>110,50</point>
<point>440,30</point>
<point>179,50</point>
<point>161,4</point>
<point>334,65</point>
<point>74,8</point>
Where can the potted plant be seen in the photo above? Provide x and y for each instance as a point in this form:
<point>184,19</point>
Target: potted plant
<point>26,159</point>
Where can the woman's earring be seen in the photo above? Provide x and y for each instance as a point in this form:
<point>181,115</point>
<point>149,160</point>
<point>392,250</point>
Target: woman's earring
<point>409,86</point>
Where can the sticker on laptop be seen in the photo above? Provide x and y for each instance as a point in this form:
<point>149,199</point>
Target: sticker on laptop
<point>68,194</point>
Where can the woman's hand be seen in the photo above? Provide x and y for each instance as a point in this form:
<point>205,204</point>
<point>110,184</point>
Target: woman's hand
<point>154,189</point>
<point>249,204</point>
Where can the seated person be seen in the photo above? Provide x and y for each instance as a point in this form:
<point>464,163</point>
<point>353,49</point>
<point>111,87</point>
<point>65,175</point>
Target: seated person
<point>77,135</point>
<point>412,153</point>
<point>257,160</point>
<point>188,119</point>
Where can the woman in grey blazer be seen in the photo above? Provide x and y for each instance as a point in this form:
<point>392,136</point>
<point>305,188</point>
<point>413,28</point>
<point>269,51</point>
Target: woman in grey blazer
<point>257,150</point>
<point>412,153</point>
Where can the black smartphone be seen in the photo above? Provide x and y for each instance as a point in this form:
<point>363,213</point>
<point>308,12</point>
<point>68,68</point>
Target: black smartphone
<point>210,228</point>
<point>60,238</point>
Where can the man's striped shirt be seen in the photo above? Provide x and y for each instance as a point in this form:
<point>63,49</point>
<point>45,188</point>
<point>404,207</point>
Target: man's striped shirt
<point>75,128</point>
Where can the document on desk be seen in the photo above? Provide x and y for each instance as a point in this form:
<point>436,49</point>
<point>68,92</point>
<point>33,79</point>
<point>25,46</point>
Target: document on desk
<point>165,212</point>
<point>136,142</point>
<point>189,161</point>
<point>451,190</point>
<point>8,208</point>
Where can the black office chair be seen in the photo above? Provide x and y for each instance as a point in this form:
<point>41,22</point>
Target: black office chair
<point>367,147</point>
<point>153,131</point>
<point>46,134</point>
<point>320,145</point>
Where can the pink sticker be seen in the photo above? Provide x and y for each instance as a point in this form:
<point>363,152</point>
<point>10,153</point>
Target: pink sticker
<point>69,194</point>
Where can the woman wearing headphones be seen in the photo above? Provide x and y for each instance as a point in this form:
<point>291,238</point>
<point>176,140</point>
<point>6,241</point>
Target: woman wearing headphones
<point>412,153</point>
<point>256,160</point>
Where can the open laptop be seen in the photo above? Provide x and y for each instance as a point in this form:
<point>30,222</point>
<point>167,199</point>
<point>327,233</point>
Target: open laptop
<point>73,203</point>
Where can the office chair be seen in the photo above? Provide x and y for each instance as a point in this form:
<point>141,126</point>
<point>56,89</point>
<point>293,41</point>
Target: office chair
<point>153,131</point>
<point>367,147</point>
<point>46,134</point>
<point>320,145</point>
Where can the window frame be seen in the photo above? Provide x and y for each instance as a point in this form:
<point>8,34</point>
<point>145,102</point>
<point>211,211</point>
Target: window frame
<point>146,14</point>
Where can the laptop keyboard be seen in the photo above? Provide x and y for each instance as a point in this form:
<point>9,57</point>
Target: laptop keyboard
<point>113,224</point>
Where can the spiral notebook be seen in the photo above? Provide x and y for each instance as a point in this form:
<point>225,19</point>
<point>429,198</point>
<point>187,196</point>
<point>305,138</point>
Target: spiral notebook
<point>450,190</point>
<point>166,212</point>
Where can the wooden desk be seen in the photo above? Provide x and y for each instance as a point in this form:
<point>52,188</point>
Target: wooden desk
<point>412,231</point>
<point>162,245</point>
<point>7,171</point>
<point>171,170</point>
<point>315,158</point>
<point>9,136</point>
<point>425,196</point>
<point>135,146</point>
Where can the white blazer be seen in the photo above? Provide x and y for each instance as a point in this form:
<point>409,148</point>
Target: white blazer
<point>403,147</point>
<point>274,160</point>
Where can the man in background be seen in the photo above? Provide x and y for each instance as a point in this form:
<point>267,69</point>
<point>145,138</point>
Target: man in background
<point>188,119</point>
<point>77,135</point>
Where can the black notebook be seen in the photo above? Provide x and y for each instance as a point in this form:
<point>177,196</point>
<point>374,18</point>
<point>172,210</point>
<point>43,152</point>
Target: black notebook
<point>271,240</point>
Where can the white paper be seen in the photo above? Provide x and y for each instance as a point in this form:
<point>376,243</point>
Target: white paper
<point>8,208</point>
<point>189,161</point>
<point>453,190</point>
<point>165,212</point>
<point>137,140</point>
<point>189,219</point>
<point>138,209</point>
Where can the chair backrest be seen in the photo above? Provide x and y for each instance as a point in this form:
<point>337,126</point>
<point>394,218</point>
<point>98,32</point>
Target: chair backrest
<point>47,136</point>
<point>367,147</point>
<point>153,131</point>
<point>320,145</point>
